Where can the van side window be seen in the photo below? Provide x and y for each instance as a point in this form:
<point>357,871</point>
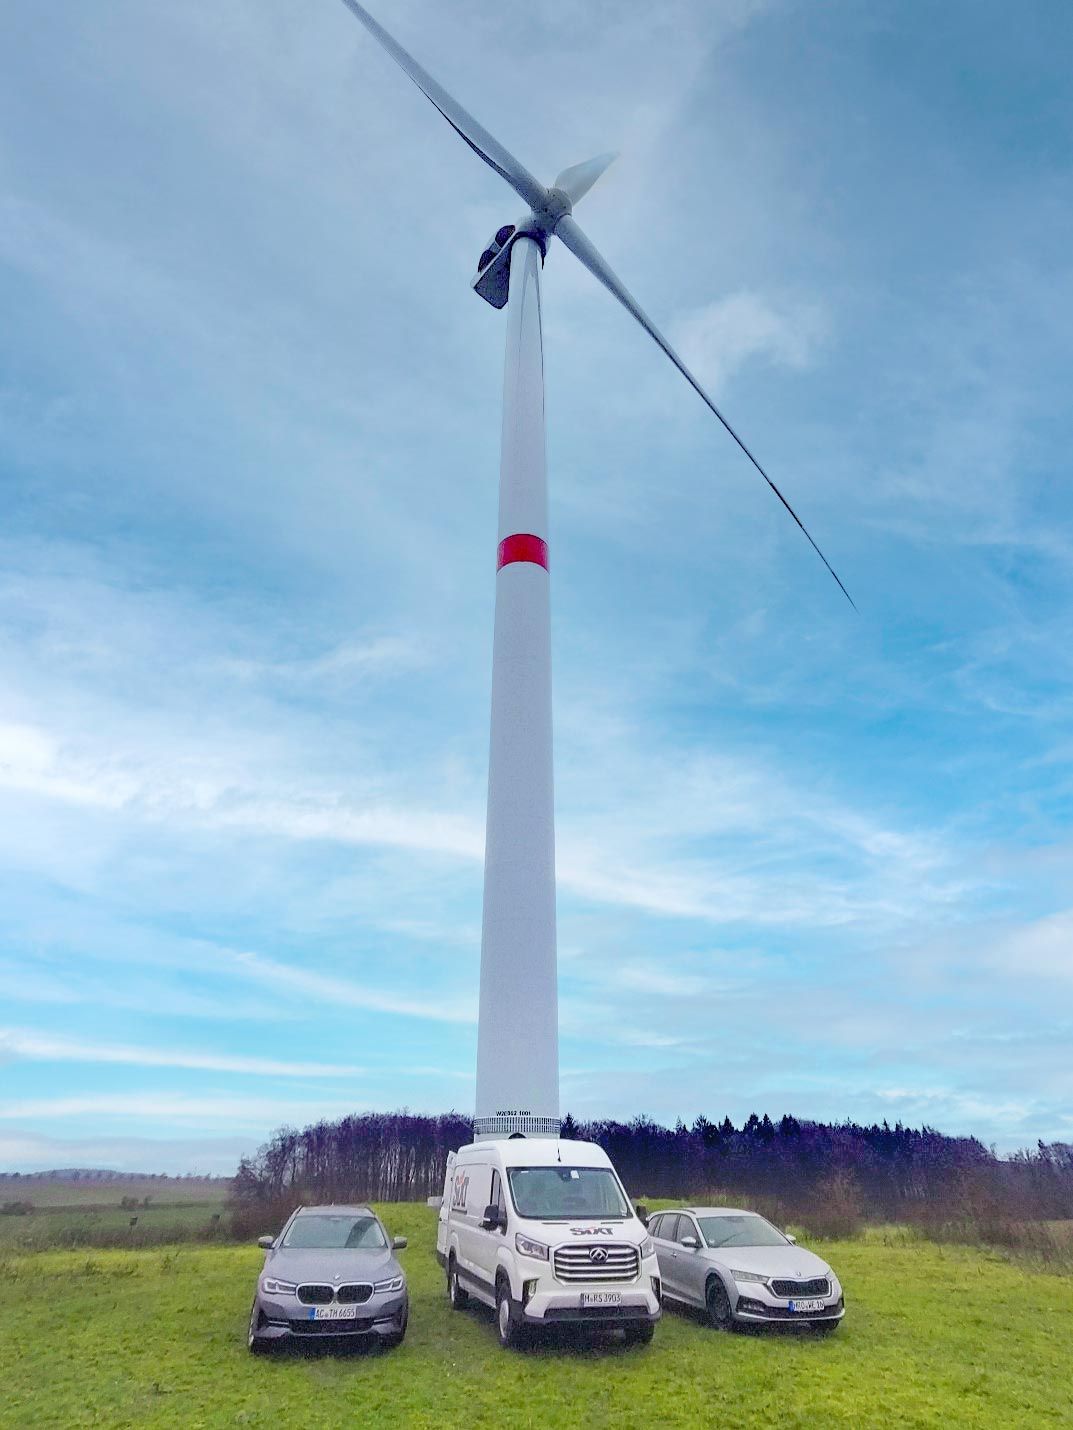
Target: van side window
<point>497,1197</point>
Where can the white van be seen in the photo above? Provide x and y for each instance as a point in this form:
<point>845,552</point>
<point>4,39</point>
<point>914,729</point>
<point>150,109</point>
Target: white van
<point>542,1230</point>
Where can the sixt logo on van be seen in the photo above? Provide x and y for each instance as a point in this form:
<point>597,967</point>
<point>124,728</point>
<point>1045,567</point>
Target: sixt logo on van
<point>590,1231</point>
<point>460,1191</point>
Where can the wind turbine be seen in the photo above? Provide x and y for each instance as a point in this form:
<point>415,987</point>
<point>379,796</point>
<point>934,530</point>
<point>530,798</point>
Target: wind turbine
<point>517,1031</point>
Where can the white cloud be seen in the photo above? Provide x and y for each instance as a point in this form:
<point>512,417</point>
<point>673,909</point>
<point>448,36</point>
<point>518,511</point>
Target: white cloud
<point>720,338</point>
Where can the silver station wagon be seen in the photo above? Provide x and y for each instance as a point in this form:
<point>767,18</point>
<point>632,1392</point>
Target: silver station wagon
<point>741,1270</point>
<point>331,1273</point>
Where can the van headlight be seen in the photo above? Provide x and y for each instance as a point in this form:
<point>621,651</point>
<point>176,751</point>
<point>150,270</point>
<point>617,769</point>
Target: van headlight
<point>393,1283</point>
<point>536,1249</point>
<point>271,1287</point>
<point>648,1248</point>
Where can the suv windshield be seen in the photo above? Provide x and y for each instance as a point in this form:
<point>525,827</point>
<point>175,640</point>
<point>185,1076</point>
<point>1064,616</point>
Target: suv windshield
<point>739,1231</point>
<point>336,1233</point>
<point>552,1193</point>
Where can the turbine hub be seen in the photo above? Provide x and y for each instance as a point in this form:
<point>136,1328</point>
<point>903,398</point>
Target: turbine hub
<point>545,217</point>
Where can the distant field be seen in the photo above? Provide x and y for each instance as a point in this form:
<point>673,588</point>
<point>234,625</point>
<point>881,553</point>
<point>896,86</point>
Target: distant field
<point>934,1336</point>
<point>47,1192</point>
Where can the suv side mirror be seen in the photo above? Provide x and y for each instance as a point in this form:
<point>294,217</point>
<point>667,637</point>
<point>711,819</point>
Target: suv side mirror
<point>692,1243</point>
<point>266,1243</point>
<point>642,1213</point>
<point>398,1243</point>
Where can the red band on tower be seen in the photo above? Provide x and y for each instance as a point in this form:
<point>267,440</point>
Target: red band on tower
<point>523,546</point>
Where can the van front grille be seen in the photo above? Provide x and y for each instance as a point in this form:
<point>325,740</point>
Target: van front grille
<point>609,1261</point>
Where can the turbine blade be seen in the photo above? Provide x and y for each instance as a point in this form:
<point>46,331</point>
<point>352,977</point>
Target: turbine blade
<point>576,181</point>
<point>582,249</point>
<point>476,136</point>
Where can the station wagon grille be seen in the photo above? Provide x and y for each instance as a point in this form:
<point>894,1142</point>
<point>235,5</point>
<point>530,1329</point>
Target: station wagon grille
<point>818,1286</point>
<point>606,1261</point>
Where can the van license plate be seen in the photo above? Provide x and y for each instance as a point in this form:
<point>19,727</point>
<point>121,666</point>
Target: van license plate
<point>601,1298</point>
<point>806,1305</point>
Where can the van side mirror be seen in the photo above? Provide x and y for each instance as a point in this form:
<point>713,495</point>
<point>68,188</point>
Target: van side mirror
<point>266,1243</point>
<point>492,1218</point>
<point>691,1242</point>
<point>398,1243</point>
<point>642,1213</point>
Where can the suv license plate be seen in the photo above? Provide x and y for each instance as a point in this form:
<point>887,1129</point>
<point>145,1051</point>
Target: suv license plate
<point>333,1313</point>
<point>601,1298</point>
<point>806,1305</point>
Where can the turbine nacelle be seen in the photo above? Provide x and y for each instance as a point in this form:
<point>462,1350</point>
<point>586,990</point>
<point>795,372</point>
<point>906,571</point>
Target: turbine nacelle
<point>492,282</point>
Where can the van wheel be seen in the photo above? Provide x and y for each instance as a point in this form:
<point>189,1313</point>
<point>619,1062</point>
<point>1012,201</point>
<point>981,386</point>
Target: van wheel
<point>458,1298</point>
<point>507,1327</point>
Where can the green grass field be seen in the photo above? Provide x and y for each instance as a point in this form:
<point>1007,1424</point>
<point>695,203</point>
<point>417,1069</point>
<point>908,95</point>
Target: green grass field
<point>933,1336</point>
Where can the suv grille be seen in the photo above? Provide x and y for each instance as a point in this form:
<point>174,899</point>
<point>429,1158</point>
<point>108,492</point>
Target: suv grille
<point>818,1286</point>
<point>353,1295</point>
<point>315,1295</point>
<point>619,1262</point>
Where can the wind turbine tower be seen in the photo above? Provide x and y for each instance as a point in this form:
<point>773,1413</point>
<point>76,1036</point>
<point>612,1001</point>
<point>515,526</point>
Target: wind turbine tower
<point>517,1034</point>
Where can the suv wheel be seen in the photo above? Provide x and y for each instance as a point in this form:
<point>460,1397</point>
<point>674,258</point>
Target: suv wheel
<point>507,1327</point>
<point>256,1344</point>
<point>458,1298</point>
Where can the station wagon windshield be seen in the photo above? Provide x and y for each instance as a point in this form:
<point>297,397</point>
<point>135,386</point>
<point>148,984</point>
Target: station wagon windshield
<point>566,1193</point>
<point>335,1233</point>
<point>739,1231</point>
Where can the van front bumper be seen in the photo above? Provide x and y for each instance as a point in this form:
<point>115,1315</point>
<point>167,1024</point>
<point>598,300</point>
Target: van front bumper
<point>554,1306</point>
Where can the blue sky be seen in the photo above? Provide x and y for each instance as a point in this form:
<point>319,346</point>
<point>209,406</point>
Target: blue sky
<point>809,861</point>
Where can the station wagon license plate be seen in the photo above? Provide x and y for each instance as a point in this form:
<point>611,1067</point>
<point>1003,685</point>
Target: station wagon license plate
<point>333,1313</point>
<point>806,1305</point>
<point>601,1298</point>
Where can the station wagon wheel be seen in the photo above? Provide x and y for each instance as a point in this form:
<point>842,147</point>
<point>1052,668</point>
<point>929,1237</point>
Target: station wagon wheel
<point>458,1298</point>
<point>717,1304</point>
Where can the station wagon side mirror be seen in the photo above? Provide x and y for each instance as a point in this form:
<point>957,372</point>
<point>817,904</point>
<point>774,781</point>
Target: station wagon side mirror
<point>791,1239</point>
<point>691,1242</point>
<point>266,1243</point>
<point>642,1213</point>
<point>398,1243</point>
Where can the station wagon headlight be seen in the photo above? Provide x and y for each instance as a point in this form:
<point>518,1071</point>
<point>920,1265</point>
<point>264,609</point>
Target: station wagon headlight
<point>393,1283</point>
<point>271,1287</point>
<point>648,1248</point>
<point>536,1249</point>
<point>748,1276</point>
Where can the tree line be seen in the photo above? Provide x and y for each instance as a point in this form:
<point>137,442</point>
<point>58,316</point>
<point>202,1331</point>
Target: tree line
<point>826,1176</point>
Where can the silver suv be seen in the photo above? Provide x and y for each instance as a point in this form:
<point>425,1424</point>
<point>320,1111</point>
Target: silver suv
<point>331,1273</point>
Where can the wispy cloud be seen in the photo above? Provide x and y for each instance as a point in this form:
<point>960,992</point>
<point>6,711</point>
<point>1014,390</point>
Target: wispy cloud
<point>44,1047</point>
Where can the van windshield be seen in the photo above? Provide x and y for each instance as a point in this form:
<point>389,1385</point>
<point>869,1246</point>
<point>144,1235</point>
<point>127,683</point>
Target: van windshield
<point>567,1193</point>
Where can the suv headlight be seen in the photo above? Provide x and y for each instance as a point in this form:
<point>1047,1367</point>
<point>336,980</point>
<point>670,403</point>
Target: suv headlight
<point>749,1276</point>
<point>648,1248</point>
<point>536,1249</point>
<point>393,1283</point>
<point>271,1287</point>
